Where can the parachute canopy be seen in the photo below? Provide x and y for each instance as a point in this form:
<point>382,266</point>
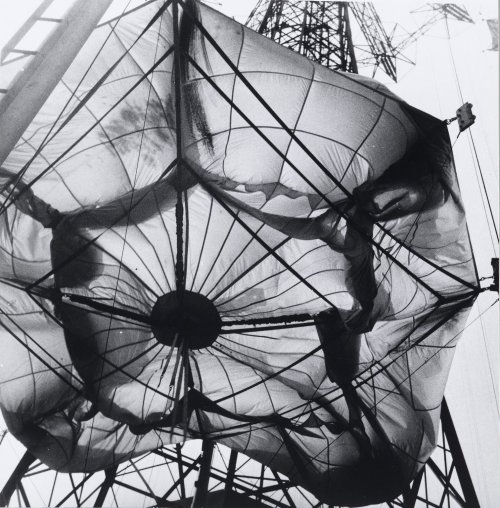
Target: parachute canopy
<point>205,235</point>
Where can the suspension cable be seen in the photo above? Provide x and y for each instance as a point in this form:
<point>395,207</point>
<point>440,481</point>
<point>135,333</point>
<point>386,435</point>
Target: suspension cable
<point>471,138</point>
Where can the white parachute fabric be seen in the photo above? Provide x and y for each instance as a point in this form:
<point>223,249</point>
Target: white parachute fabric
<point>347,130</point>
<point>104,129</point>
<point>107,118</point>
<point>317,208</point>
<point>41,394</point>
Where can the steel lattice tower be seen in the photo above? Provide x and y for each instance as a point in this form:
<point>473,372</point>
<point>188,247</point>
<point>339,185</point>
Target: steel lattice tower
<point>317,30</point>
<point>322,32</point>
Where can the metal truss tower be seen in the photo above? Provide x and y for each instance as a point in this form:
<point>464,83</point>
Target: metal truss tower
<point>223,479</point>
<point>445,480</point>
<point>436,12</point>
<point>322,32</point>
<point>317,30</point>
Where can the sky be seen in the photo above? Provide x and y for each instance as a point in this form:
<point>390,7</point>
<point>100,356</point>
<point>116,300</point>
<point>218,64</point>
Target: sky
<point>448,71</point>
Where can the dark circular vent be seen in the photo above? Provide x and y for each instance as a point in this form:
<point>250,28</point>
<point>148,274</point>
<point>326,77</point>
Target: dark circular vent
<point>191,315</point>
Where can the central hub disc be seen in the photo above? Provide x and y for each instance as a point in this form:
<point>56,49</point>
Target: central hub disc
<point>192,316</point>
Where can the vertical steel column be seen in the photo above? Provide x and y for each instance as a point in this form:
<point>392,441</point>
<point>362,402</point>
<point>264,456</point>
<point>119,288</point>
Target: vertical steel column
<point>410,497</point>
<point>107,484</point>
<point>458,457</point>
<point>15,478</point>
<point>352,66</point>
<point>231,470</point>
<point>201,485</point>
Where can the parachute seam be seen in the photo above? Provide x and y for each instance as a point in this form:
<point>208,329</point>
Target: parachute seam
<point>231,108</point>
<point>333,205</point>
<point>284,291</point>
<point>382,368</point>
<point>318,82</point>
<point>4,207</point>
<point>296,131</point>
<point>92,241</point>
<point>34,353</point>
<point>139,257</point>
<point>267,107</point>
<point>254,265</point>
<point>235,259</point>
<point>223,244</point>
<point>56,171</point>
<point>207,227</point>
<point>290,141</point>
<point>105,133</point>
<point>167,235</point>
<point>368,134</point>
<point>47,140</point>
<point>260,240</point>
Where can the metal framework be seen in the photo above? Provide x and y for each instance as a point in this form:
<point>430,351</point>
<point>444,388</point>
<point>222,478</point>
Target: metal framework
<point>445,480</point>
<point>166,477</point>
<point>438,12</point>
<point>223,478</point>
<point>219,477</point>
<point>322,32</point>
<point>379,51</point>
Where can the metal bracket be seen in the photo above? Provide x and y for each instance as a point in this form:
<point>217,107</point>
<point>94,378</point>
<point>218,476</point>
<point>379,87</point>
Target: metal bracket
<point>494,265</point>
<point>464,116</point>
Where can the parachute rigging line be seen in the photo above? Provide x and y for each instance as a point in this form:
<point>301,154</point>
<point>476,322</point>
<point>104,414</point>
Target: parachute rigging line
<point>294,137</point>
<point>248,270</point>
<point>254,92</point>
<point>448,37</point>
<point>5,206</point>
<point>118,368</point>
<point>490,369</point>
<point>202,249</point>
<point>486,193</point>
<point>128,12</point>
<point>179,396</point>
<point>89,94</point>
<point>78,391</point>
<point>360,375</point>
<point>92,241</point>
<point>471,138</point>
<point>132,193</point>
<point>214,192</point>
<point>297,120</point>
<point>333,205</point>
<point>364,381</point>
<point>434,328</point>
<point>361,380</point>
<point>267,247</point>
<point>219,252</point>
<point>252,267</point>
<point>274,375</point>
